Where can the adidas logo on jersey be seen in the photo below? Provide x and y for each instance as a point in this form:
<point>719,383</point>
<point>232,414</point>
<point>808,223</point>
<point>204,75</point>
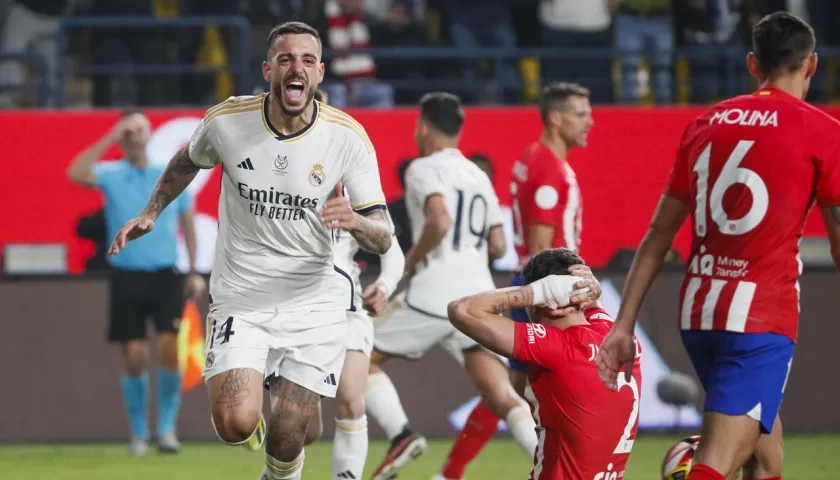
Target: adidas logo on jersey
<point>330,380</point>
<point>347,474</point>
<point>246,164</point>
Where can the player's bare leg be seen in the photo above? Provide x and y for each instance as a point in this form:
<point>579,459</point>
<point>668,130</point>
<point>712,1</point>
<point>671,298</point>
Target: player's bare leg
<point>727,442</point>
<point>135,388</point>
<point>490,378</point>
<point>168,392</point>
<point>315,428</point>
<point>292,408</point>
<point>383,404</point>
<point>767,459</point>
<point>350,443</point>
<point>236,404</point>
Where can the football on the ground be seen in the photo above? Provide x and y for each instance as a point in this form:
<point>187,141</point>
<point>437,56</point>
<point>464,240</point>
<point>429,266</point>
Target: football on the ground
<point>677,462</point>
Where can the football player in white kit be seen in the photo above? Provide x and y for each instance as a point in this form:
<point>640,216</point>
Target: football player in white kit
<point>278,301</point>
<point>455,218</point>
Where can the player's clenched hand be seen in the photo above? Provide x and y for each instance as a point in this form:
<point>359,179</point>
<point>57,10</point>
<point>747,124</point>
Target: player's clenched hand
<point>588,290</point>
<point>194,285</point>
<point>337,212</point>
<point>375,299</point>
<point>131,230</point>
<point>617,353</point>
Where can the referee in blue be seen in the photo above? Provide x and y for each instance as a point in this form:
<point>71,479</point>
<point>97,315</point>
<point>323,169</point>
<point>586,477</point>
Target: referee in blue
<point>144,282</point>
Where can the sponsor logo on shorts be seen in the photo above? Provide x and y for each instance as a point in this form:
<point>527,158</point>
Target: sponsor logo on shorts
<point>330,380</point>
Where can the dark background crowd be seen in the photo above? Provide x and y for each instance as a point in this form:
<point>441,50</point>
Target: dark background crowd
<point>489,51</point>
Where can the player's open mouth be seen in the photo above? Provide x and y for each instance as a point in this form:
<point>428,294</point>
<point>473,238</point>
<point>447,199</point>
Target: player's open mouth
<point>294,91</point>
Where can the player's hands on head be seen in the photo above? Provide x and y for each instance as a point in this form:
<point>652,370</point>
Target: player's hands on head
<point>588,290</point>
<point>375,299</point>
<point>617,353</point>
<point>194,285</point>
<point>337,212</point>
<point>554,291</point>
<point>131,230</point>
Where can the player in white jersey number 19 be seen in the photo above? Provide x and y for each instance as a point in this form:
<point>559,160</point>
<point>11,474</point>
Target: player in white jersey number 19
<point>278,302</point>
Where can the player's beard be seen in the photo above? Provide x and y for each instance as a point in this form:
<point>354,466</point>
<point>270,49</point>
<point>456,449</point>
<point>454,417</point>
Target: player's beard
<point>278,92</point>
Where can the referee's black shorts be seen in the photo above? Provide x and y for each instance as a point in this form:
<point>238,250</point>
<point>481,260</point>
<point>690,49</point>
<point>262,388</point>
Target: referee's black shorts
<point>137,296</point>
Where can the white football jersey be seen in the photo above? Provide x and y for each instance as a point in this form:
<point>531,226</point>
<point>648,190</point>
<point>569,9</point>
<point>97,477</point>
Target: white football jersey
<point>272,251</point>
<point>459,266</point>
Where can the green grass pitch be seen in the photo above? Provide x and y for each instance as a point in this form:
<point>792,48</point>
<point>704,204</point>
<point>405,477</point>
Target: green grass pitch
<point>806,458</point>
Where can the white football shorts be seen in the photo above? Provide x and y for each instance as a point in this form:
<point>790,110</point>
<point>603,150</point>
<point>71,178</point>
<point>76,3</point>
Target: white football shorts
<point>306,348</point>
<point>360,330</point>
<point>410,333</point>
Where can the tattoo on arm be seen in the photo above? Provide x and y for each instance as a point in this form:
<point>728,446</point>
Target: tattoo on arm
<point>518,298</point>
<point>178,174</point>
<point>235,388</point>
<point>835,214</point>
<point>373,231</point>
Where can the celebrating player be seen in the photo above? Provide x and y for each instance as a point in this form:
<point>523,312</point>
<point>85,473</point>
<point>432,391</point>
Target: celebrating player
<point>584,430</point>
<point>278,302</point>
<point>546,207</point>
<point>747,172</point>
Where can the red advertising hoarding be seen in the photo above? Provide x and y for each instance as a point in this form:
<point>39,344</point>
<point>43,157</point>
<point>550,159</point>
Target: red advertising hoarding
<point>621,172</point>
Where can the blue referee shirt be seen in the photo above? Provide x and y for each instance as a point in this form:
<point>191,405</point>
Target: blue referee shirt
<point>127,189</point>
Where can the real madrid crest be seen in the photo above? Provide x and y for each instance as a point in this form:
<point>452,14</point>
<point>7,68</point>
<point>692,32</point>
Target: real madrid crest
<point>316,175</point>
<point>210,360</point>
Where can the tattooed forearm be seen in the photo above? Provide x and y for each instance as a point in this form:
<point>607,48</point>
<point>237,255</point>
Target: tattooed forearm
<point>513,299</point>
<point>235,388</point>
<point>178,174</point>
<point>373,232</point>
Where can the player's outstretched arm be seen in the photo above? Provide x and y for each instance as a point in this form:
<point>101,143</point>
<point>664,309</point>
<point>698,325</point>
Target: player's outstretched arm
<point>175,178</point>
<point>618,350</point>
<point>831,218</point>
<point>178,174</point>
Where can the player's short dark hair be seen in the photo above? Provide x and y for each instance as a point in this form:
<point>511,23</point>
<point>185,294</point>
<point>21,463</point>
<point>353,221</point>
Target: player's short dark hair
<point>294,28</point>
<point>555,94</point>
<point>320,95</point>
<point>443,111</point>
<point>555,261</point>
<point>402,168</point>
<point>781,41</point>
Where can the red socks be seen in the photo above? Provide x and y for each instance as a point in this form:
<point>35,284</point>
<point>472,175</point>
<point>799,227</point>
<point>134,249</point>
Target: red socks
<point>702,472</point>
<point>480,427</point>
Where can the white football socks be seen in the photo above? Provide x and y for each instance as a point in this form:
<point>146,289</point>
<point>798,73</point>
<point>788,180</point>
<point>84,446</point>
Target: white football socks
<point>350,447</point>
<point>383,404</point>
<point>522,427</point>
<point>277,470</point>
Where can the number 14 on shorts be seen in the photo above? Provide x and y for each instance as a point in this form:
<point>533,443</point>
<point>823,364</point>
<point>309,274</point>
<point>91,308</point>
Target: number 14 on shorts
<point>220,333</point>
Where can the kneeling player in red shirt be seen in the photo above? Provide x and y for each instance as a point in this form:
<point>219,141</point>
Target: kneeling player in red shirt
<point>584,430</point>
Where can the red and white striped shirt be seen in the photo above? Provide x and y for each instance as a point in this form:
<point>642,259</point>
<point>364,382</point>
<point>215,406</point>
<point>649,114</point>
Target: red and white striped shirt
<point>544,190</point>
<point>584,431</point>
<point>750,169</point>
<point>347,32</point>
